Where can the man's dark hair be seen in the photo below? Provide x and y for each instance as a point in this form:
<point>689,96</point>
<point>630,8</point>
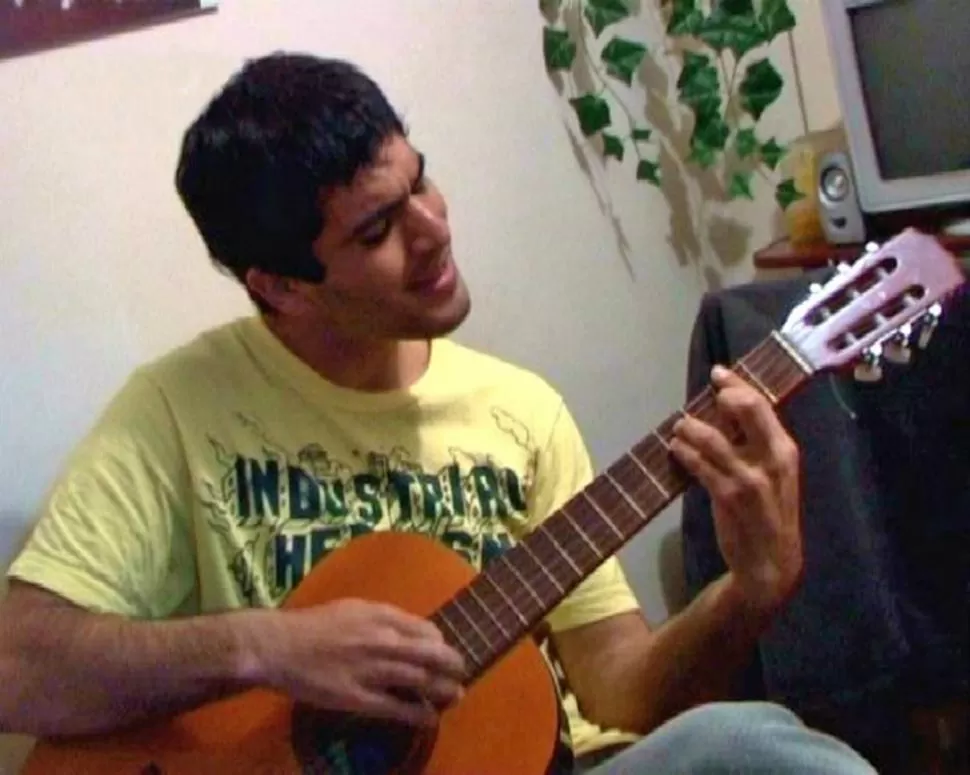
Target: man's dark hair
<point>254,163</point>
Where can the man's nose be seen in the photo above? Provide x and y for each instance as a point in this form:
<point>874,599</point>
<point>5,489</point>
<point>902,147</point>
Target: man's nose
<point>427,227</point>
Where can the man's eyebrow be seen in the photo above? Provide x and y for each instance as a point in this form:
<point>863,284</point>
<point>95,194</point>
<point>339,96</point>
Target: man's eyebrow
<point>421,167</point>
<point>388,209</point>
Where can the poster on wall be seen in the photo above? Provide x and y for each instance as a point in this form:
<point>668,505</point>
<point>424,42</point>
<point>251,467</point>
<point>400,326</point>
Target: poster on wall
<point>27,26</point>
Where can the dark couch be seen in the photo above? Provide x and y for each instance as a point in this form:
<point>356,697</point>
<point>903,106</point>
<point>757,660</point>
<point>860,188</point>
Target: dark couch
<point>880,624</point>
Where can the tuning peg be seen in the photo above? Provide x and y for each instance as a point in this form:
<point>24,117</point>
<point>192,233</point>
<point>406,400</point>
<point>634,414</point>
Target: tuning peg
<point>872,247</point>
<point>814,289</point>
<point>930,320</point>
<point>842,267</point>
<point>896,349</point>
<point>870,369</point>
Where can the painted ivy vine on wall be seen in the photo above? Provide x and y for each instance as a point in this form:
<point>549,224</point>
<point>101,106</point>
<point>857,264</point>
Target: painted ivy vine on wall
<point>726,81</point>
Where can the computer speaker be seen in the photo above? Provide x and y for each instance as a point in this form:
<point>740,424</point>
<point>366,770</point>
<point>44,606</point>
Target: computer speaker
<point>838,200</point>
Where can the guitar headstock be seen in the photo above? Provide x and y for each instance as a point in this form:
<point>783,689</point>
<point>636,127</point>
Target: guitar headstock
<point>873,308</point>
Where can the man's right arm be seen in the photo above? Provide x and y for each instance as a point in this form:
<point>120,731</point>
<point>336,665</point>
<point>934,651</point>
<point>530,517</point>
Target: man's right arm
<point>66,671</point>
<point>69,671</point>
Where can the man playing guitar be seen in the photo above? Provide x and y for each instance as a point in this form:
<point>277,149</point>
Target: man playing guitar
<point>224,470</point>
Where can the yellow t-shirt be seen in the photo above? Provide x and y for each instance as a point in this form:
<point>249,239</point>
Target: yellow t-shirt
<point>221,472</point>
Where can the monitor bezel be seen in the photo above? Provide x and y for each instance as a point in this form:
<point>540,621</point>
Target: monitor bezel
<point>876,193</point>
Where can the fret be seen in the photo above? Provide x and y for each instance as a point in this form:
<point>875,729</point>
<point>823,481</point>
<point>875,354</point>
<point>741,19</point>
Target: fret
<point>468,652</point>
<point>488,611</point>
<point>793,355</point>
<point>663,442</point>
<point>603,515</point>
<point>471,621</point>
<point>574,543</point>
<point>695,408</point>
<point>560,551</point>
<point>666,472</point>
<point>632,503</point>
<point>542,567</point>
<point>630,480</point>
<point>579,530</point>
<point>508,601</point>
<point>649,474</point>
<point>504,559</point>
<point>779,367</point>
<point>754,379</point>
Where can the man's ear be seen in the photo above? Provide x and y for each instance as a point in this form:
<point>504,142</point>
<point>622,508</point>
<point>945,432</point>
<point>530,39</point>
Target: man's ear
<point>283,294</point>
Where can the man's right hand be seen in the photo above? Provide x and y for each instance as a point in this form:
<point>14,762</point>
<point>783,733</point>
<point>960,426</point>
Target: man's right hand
<point>357,657</point>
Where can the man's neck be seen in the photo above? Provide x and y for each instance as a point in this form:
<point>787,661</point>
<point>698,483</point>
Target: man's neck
<point>371,365</point>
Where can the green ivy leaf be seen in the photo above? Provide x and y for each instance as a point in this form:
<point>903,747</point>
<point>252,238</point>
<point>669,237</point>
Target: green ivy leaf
<point>698,84</point>
<point>622,58</point>
<point>732,25</point>
<point>558,49</point>
<point>772,153</point>
<point>776,18</point>
<point>760,88</point>
<point>712,131</point>
<point>685,19</point>
<point>593,113</point>
<point>786,193</point>
<point>612,146</point>
<point>641,134</point>
<point>745,143</point>
<point>649,171</point>
<point>708,139</point>
<point>740,186</point>
<point>602,13</point>
<point>702,156</point>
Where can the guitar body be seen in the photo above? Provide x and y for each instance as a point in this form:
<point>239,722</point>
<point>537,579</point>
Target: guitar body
<point>264,732</point>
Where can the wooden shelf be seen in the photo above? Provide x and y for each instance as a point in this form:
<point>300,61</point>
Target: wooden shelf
<point>783,255</point>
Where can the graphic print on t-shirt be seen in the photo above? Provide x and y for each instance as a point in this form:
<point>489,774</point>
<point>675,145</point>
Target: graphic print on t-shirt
<point>287,511</point>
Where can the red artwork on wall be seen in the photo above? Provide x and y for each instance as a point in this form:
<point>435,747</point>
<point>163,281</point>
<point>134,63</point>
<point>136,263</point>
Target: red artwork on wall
<point>32,25</point>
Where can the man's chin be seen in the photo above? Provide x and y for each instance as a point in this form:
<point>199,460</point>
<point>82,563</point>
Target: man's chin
<point>446,317</point>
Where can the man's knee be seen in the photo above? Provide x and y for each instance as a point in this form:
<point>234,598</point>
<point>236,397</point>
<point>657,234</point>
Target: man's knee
<point>762,737</point>
<point>751,737</point>
<point>738,718</point>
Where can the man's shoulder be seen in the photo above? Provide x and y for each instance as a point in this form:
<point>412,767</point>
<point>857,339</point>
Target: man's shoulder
<point>205,354</point>
<point>493,371</point>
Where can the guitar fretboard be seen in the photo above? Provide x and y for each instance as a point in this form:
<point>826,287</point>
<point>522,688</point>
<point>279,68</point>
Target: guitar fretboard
<point>512,595</point>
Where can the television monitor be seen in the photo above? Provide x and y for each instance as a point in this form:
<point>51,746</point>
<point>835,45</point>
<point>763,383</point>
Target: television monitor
<point>902,70</point>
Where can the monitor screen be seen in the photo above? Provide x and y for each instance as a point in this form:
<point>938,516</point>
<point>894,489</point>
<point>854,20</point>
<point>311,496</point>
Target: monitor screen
<point>913,58</point>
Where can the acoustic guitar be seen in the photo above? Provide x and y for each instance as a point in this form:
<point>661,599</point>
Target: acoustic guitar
<point>507,723</point>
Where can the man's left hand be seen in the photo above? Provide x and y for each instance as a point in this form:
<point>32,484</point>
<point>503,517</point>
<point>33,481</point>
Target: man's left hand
<point>753,482</point>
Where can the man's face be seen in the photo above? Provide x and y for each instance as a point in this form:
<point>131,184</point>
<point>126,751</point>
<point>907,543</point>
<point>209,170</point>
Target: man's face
<point>386,248</point>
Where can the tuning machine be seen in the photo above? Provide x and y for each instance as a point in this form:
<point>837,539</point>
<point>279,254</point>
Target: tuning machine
<point>896,349</point>
<point>869,369</point>
<point>928,323</point>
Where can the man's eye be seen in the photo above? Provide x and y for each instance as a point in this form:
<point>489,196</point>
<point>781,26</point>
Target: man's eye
<point>377,233</point>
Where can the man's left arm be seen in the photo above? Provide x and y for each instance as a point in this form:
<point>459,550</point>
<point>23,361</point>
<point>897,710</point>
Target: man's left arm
<point>628,677</point>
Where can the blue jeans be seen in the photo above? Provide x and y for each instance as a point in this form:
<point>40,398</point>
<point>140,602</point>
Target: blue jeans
<point>727,738</point>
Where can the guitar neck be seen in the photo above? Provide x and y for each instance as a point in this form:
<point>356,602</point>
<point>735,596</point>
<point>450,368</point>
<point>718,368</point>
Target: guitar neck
<point>512,595</point>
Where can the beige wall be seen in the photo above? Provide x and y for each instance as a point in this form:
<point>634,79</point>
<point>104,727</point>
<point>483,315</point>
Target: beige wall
<point>579,277</point>
<point>816,76</point>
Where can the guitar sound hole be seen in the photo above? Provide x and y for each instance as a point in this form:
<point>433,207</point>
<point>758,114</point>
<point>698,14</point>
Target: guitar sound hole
<point>327,743</point>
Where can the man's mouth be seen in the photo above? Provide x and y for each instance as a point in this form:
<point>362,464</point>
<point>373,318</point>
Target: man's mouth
<point>437,278</point>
